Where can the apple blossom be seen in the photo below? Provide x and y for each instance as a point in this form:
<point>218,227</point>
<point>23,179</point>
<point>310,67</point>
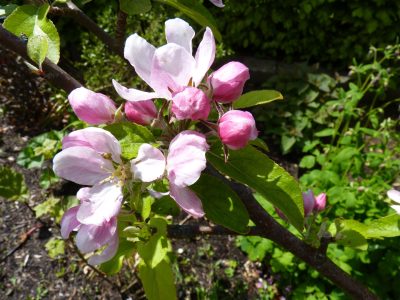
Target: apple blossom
<point>320,202</point>
<point>236,128</point>
<point>191,103</point>
<point>228,81</point>
<point>308,202</point>
<point>170,68</point>
<point>143,112</point>
<point>217,3</point>
<point>91,237</point>
<point>395,196</point>
<point>93,108</point>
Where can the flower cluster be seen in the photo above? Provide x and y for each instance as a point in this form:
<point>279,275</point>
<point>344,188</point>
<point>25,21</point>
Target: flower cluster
<point>179,80</point>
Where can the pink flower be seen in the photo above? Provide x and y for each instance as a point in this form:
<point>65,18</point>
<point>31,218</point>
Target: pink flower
<point>320,202</point>
<point>143,112</point>
<point>395,196</point>
<point>93,108</point>
<point>87,159</point>
<point>191,103</point>
<point>170,68</point>
<point>91,237</point>
<point>217,3</point>
<point>236,128</point>
<point>309,202</point>
<point>184,163</point>
<point>228,81</point>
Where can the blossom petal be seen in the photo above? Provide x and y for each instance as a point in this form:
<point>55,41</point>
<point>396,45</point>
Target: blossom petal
<point>186,158</point>
<point>69,222</point>
<point>172,69</point>
<point>187,200</point>
<point>98,139</point>
<point>107,253</point>
<point>149,165</point>
<point>217,3</point>
<point>140,55</point>
<point>394,195</point>
<point>101,203</point>
<point>133,94</point>
<point>179,32</point>
<point>82,165</point>
<point>205,56</point>
<point>92,237</point>
<point>396,208</point>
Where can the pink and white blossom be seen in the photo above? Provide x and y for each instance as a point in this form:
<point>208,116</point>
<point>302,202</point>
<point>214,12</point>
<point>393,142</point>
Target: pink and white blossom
<point>169,68</point>
<point>191,103</point>
<point>395,196</point>
<point>320,202</point>
<point>217,3</point>
<point>228,81</point>
<point>91,237</point>
<point>236,128</point>
<point>308,202</point>
<point>142,112</point>
<point>93,108</point>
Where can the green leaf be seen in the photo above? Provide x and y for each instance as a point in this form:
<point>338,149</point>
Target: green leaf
<point>388,226</point>
<point>12,184</point>
<point>158,282</point>
<point>156,248</point>
<point>132,7</point>
<point>55,247</point>
<point>197,12</point>
<point>114,265</point>
<point>131,136</point>
<point>307,161</point>
<point>325,132</point>
<point>165,206</point>
<point>259,143</point>
<point>30,21</point>
<point>352,238</point>
<point>257,98</point>
<point>287,142</point>
<point>221,204</point>
<point>37,48</point>
<point>7,9</point>
<point>47,178</point>
<point>253,168</point>
<point>47,206</point>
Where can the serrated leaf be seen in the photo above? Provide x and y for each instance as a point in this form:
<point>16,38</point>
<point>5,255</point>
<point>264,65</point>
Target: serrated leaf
<point>133,7</point>
<point>221,204</point>
<point>12,184</point>
<point>37,48</point>
<point>45,207</point>
<point>253,168</point>
<point>30,20</point>
<point>158,282</point>
<point>131,136</point>
<point>197,12</point>
<point>254,98</point>
<point>55,247</point>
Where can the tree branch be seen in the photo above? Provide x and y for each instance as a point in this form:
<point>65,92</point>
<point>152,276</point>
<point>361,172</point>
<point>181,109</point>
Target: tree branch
<point>71,10</point>
<point>53,73</point>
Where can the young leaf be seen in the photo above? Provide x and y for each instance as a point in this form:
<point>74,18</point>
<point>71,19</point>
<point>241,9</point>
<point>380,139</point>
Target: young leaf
<point>134,7</point>
<point>158,282</point>
<point>251,167</point>
<point>131,136</point>
<point>221,204</point>
<point>254,98</point>
<point>196,11</point>
<point>12,184</point>
<point>37,48</point>
<point>32,20</point>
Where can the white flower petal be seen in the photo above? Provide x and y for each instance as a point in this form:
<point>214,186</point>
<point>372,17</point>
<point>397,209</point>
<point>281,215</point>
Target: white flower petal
<point>140,54</point>
<point>179,32</point>
<point>149,165</point>
<point>92,237</point>
<point>187,200</point>
<point>394,195</point>
<point>82,165</point>
<point>107,253</point>
<point>98,139</point>
<point>396,208</point>
<point>205,56</point>
<point>133,94</point>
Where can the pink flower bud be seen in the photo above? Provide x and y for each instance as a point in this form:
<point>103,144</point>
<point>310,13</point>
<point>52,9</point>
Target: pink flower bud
<point>191,103</point>
<point>228,81</point>
<point>309,202</point>
<point>236,128</point>
<point>320,202</point>
<point>93,108</point>
<point>140,112</point>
